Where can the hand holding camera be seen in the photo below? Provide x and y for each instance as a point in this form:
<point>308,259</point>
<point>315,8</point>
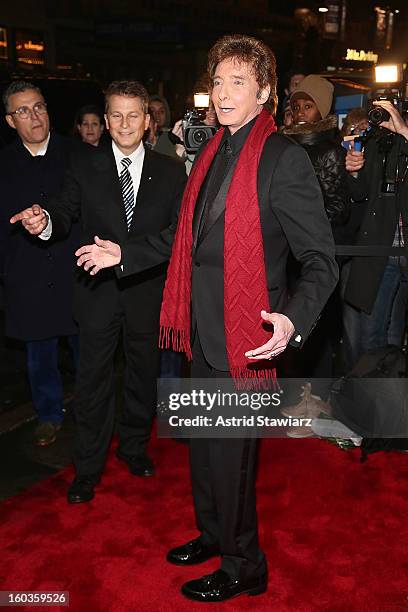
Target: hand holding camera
<point>392,119</point>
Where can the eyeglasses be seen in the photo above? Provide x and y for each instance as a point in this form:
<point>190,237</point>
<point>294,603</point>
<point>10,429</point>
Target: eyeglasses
<point>24,112</point>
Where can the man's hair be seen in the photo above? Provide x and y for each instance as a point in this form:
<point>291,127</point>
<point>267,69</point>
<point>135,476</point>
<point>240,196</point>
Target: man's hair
<point>133,89</point>
<point>16,87</point>
<point>250,51</point>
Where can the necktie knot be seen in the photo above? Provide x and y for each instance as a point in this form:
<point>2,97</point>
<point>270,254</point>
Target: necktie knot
<point>126,162</point>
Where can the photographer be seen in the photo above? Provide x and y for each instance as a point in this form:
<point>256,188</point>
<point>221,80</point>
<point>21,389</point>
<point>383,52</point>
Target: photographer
<point>378,176</point>
<point>210,119</point>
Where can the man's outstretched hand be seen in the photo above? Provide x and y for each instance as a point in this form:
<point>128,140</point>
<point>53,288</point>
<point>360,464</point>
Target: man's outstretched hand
<point>33,219</point>
<point>101,254</point>
<point>283,330</point>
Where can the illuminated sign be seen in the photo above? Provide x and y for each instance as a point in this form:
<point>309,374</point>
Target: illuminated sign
<point>361,56</point>
<point>3,44</point>
<point>30,47</point>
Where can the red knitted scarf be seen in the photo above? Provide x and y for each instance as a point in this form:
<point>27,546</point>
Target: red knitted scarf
<point>245,290</point>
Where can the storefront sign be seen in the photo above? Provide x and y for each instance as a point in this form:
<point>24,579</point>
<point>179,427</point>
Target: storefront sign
<point>361,56</point>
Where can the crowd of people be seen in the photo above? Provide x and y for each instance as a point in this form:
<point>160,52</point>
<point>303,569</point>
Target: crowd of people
<point>91,227</point>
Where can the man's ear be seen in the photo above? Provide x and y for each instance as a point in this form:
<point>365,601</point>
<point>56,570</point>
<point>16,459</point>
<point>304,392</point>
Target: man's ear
<point>10,121</point>
<point>147,121</point>
<point>263,95</point>
<point>106,121</point>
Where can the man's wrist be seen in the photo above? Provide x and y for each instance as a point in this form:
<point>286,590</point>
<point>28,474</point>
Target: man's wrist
<point>45,234</point>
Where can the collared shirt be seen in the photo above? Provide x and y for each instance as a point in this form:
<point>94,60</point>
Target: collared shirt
<point>42,150</point>
<point>135,168</point>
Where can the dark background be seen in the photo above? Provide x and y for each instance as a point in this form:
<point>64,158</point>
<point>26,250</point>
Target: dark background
<point>164,43</point>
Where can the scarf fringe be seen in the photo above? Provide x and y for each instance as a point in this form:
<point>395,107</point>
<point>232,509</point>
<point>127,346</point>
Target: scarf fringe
<point>176,339</point>
<point>248,379</point>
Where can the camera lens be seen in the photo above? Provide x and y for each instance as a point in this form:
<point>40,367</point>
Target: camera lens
<point>377,115</point>
<point>200,136</point>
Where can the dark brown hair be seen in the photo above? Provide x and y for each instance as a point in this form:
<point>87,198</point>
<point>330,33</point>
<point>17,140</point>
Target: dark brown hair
<point>18,87</point>
<point>250,51</point>
<point>133,89</point>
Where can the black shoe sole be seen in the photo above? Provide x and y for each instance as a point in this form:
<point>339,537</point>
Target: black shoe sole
<point>251,592</point>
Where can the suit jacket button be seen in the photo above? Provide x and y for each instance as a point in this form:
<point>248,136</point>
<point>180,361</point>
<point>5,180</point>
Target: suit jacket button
<point>50,285</point>
<point>197,264</point>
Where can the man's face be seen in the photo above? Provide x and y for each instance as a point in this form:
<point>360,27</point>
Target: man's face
<point>304,110</point>
<point>236,95</point>
<point>126,122</point>
<point>34,129</point>
<point>159,113</point>
<point>90,129</point>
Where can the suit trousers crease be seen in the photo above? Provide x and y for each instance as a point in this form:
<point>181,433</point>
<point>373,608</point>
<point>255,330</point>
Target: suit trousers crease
<point>223,474</point>
<point>95,393</point>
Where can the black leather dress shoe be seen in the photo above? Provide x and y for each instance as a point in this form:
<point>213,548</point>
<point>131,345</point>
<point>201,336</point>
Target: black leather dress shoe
<point>81,490</point>
<point>138,466</point>
<point>192,553</point>
<point>219,587</point>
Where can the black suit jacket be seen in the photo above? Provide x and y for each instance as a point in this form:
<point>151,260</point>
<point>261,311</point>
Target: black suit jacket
<point>292,219</point>
<point>38,276</point>
<point>92,193</point>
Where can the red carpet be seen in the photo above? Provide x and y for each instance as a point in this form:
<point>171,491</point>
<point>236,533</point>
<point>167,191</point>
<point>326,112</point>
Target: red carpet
<point>335,533</point>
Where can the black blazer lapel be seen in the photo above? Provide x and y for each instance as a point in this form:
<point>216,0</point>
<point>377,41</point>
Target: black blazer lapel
<point>105,164</point>
<point>147,182</point>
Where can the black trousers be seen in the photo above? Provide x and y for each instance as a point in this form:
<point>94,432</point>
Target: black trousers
<point>95,393</point>
<point>223,473</point>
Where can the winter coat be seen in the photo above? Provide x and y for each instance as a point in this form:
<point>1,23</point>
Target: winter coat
<point>327,156</point>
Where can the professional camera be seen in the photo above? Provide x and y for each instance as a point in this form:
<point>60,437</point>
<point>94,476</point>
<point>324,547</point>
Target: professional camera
<point>377,114</point>
<point>195,132</point>
<point>390,87</point>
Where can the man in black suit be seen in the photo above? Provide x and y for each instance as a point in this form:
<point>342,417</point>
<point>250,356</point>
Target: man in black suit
<point>122,192</point>
<point>252,197</point>
<point>38,276</point>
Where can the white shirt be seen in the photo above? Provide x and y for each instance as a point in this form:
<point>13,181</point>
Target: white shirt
<point>42,150</point>
<point>135,169</point>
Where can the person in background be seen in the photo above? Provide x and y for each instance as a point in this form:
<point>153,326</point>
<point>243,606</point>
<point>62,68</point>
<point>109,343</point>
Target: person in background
<point>294,80</point>
<point>89,124</point>
<point>355,122</point>
<point>38,277</point>
<point>378,182</point>
<point>188,158</point>
<point>287,114</point>
<point>161,113</point>
<point>151,134</point>
<point>316,131</point>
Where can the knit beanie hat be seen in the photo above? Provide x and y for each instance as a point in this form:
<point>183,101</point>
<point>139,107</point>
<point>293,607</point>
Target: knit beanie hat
<point>319,90</point>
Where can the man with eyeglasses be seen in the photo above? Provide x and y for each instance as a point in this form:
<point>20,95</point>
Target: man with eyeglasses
<point>38,276</point>
<point>131,195</point>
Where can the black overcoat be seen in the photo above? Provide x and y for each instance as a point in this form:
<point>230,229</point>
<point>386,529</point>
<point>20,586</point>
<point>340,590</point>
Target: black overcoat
<point>37,275</point>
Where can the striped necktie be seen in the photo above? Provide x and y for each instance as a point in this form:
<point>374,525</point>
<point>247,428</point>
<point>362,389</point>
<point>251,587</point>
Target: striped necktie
<point>126,184</point>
